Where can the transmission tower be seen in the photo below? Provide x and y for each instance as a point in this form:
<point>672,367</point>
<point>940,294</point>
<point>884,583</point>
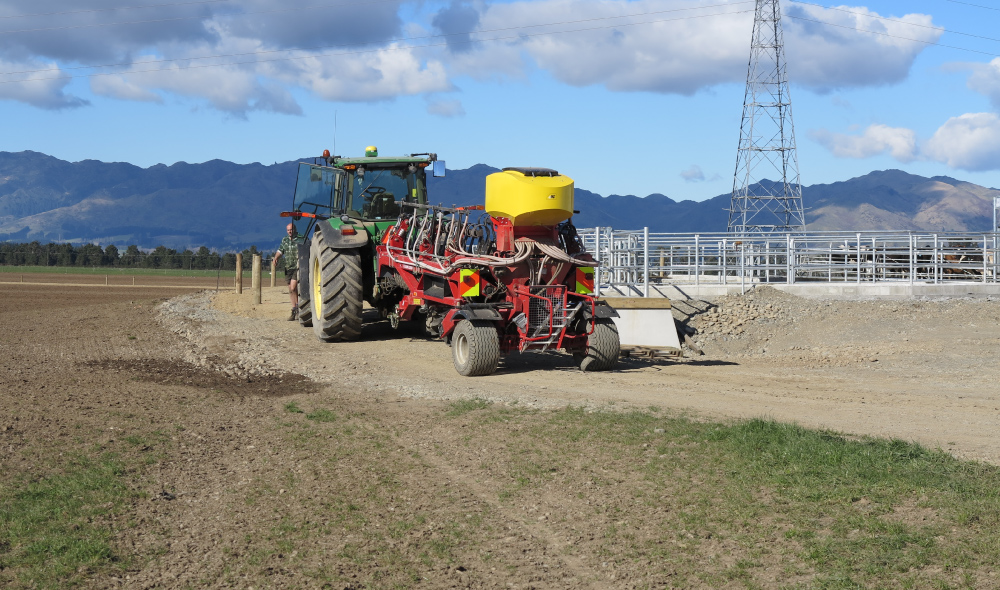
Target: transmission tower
<point>767,138</point>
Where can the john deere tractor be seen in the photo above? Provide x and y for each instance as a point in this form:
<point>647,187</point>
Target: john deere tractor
<point>507,276</point>
<point>341,210</point>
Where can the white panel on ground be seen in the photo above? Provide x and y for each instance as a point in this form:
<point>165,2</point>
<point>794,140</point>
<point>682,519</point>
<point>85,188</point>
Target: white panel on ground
<point>645,322</point>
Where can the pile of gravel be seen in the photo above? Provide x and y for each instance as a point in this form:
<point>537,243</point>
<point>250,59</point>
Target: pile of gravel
<point>737,316</point>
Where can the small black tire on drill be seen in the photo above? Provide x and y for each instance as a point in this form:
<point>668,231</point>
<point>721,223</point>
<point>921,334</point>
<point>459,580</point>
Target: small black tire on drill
<point>304,287</point>
<point>336,283</point>
<point>603,347</point>
<point>475,348</point>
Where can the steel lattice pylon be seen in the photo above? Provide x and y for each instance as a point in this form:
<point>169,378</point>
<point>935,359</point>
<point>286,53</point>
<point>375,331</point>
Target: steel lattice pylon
<point>767,138</point>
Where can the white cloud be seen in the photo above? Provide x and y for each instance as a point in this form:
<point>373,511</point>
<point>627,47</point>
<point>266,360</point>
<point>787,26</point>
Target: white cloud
<point>684,53</point>
<point>970,142</point>
<point>899,142</point>
<point>681,52</point>
<point>693,174</point>
<point>855,49</point>
<point>231,89</point>
<point>445,108</point>
<point>182,35</point>
<point>117,86</point>
<point>985,79</point>
<point>46,91</point>
<point>382,75</point>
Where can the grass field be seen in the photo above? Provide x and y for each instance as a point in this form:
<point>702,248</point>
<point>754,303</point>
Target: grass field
<point>101,270</point>
<point>667,494</point>
<point>123,464</point>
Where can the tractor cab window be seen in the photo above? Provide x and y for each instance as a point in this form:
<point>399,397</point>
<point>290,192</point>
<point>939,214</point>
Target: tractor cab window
<point>376,194</point>
<point>315,192</point>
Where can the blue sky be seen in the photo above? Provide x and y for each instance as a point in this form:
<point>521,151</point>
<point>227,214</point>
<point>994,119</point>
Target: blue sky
<point>646,100</point>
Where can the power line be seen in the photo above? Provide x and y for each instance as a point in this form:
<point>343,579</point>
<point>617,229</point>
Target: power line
<point>934,43</point>
<point>895,20</point>
<point>976,5</point>
<point>361,51</point>
<point>322,47</point>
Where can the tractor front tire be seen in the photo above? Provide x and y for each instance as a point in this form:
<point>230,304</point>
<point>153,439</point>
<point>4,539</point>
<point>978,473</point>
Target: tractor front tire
<point>304,287</point>
<point>603,347</point>
<point>475,348</point>
<point>336,291</point>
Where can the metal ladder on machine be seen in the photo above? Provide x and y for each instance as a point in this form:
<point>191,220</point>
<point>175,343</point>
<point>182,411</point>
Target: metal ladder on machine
<point>559,323</point>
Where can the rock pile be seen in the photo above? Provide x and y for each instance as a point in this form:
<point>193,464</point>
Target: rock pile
<point>733,318</point>
<point>733,315</point>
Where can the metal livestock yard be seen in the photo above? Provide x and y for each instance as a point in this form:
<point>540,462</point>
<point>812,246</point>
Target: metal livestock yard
<point>639,262</point>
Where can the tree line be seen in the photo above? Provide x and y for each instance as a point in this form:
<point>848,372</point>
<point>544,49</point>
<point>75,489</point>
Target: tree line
<point>92,255</point>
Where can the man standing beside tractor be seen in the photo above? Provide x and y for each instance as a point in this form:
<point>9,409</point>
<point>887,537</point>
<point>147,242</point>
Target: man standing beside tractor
<point>289,250</point>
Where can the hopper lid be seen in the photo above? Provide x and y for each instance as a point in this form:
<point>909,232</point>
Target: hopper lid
<point>534,171</point>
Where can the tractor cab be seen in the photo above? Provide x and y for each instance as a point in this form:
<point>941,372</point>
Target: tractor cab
<point>374,191</point>
<point>369,189</point>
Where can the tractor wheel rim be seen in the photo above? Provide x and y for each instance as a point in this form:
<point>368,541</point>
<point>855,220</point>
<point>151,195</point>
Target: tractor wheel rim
<point>462,348</point>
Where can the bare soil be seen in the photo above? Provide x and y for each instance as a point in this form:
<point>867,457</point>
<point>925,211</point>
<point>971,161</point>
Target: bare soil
<point>254,426</point>
<point>918,370</point>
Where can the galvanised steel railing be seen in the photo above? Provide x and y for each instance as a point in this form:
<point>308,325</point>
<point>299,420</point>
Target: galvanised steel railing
<point>632,261</point>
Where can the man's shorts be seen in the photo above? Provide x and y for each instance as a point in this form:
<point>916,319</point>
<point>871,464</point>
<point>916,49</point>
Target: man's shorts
<point>291,274</point>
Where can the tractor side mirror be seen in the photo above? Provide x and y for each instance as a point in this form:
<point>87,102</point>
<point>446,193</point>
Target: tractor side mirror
<point>437,168</point>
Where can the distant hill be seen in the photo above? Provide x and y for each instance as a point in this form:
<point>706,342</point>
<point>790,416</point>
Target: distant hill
<point>893,199</point>
<point>229,206</point>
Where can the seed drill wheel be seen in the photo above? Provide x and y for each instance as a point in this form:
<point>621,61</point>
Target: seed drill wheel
<point>304,287</point>
<point>475,348</point>
<point>603,347</point>
<point>335,277</point>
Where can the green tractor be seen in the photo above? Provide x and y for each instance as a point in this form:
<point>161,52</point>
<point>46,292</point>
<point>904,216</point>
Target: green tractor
<point>341,209</point>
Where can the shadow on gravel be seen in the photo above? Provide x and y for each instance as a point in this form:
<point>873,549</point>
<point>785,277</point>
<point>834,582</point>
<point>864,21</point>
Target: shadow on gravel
<point>164,372</point>
<point>375,329</point>
<point>526,362</point>
<point>712,364</point>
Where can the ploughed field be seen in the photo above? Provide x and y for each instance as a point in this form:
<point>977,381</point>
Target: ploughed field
<point>154,437</point>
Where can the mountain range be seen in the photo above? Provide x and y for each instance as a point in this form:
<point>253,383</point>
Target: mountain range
<point>229,206</point>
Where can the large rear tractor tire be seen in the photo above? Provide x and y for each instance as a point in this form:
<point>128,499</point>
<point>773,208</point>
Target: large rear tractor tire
<point>305,288</point>
<point>603,347</point>
<point>475,348</point>
<point>336,291</point>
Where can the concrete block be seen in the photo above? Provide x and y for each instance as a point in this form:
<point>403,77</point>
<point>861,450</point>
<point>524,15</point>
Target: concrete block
<point>647,327</point>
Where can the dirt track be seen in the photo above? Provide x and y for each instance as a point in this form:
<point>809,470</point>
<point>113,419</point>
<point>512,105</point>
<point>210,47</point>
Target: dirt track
<point>921,371</point>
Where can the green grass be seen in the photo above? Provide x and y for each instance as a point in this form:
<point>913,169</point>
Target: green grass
<point>465,406</point>
<point>672,501</point>
<point>322,415</point>
<point>836,512</point>
<point>53,530</point>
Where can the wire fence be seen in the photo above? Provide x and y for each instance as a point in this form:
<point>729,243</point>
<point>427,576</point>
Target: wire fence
<point>635,261</point>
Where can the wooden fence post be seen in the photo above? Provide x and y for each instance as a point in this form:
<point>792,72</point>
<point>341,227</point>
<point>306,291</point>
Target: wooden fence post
<point>274,268</point>
<point>255,279</point>
<point>239,274</point>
